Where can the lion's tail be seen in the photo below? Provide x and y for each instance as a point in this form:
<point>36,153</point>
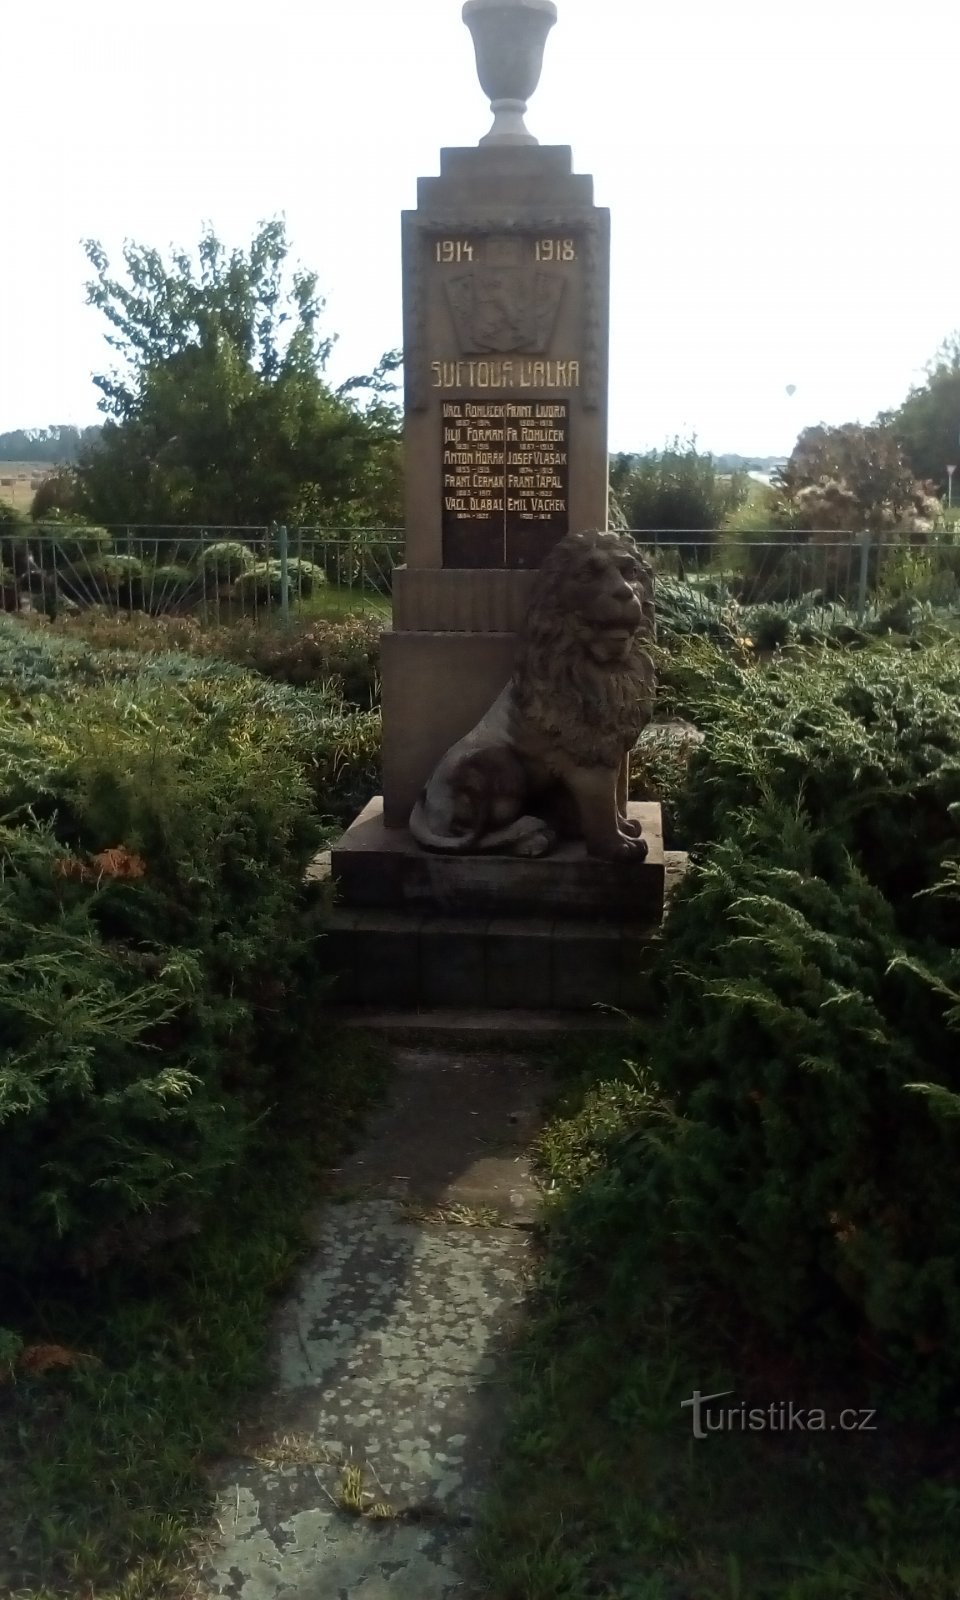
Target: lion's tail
<point>453,843</point>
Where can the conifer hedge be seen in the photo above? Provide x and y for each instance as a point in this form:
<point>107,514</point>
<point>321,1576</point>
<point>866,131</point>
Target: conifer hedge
<point>158,951</point>
<point>805,1154</point>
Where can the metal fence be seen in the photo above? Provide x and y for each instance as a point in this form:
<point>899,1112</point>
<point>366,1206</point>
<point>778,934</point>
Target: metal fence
<point>275,574</point>
<point>218,575</point>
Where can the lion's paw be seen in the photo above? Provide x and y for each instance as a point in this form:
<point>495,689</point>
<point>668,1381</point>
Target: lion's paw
<point>630,827</point>
<point>635,848</point>
<point>537,844</point>
<point>626,849</point>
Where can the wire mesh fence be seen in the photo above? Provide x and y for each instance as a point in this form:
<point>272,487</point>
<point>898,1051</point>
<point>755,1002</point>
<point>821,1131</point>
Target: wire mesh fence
<point>276,574</point>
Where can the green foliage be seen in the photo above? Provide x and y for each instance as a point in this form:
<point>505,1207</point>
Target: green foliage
<point>345,655</point>
<point>220,413</point>
<point>170,1347</point>
<point>801,1175</point>
<point>867,746</point>
<point>851,478</point>
<point>226,560</point>
<point>927,423</point>
<point>263,582</point>
<point>153,930</point>
<point>58,496</point>
<point>676,488</point>
<point>75,541</point>
<point>12,521</point>
<point>168,585</point>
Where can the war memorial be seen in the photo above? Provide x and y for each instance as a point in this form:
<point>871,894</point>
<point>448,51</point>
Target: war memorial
<point>503,866</point>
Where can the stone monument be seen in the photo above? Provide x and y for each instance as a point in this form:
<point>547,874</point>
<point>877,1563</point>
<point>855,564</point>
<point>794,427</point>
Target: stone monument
<point>506,311</point>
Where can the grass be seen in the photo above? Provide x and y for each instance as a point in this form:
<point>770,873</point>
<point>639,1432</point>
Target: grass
<point>604,1492</point>
<point>102,1487</point>
<point>327,603</point>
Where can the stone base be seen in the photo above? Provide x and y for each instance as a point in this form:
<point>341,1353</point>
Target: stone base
<point>417,960</point>
<point>486,934</point>
<point>378,867</point>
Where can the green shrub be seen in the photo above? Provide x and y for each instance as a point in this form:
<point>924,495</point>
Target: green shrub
<point>157,948</point>
<point>802,1173</point>
<point>676,488</point>
<point>58,496</point>
<point>226,561</point>
<point>263,583</point>
<point>169,585</point>
<point>345,654</point>
<point>866,745</point>
<point>342,654</point>
<point>73,540</point>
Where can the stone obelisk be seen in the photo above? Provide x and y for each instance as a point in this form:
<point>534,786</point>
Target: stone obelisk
<point>506,307</point>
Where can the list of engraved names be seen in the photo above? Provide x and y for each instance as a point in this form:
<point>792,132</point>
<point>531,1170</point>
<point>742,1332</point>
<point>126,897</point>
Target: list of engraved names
<point>505,461</point>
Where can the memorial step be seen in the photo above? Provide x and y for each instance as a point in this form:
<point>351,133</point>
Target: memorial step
<point>412,960</point>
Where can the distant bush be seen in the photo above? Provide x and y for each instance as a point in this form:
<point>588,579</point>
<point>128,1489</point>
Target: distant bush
<point>73,541</point>
<point>676,488</point>
<point>226,561</point>
<point>263,582</point>
<point>57,496</point>
<point>169,585</point>
<point>345,654</point>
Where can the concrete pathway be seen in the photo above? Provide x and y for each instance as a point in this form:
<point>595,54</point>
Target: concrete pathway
<point>360,1475</point>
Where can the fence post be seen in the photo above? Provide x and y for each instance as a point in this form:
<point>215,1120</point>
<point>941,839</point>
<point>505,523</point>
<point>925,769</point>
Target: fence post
<point>864,575</point>
<point>284,542</point>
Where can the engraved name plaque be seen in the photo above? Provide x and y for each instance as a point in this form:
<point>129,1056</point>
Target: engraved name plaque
<point>505,480</point>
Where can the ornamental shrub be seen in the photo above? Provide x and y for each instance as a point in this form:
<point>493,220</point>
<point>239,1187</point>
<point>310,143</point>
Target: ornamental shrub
<point>263,582</point>
<point>803,1172</point>
<point>157,945</point>
<point>225,561</point>
<point>344,654</point>
<point>866,745</point>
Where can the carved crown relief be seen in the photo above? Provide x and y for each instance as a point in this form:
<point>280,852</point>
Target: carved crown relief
<point>502,304</point>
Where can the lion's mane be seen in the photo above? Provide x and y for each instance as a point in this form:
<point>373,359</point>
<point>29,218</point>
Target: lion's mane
<point>594,711</point>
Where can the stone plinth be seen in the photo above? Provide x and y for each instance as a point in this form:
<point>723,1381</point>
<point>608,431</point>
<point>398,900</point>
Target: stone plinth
<point>375,866</point>
<point>435,962</point>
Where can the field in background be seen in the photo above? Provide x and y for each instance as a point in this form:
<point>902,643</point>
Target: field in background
<point>19,481</point>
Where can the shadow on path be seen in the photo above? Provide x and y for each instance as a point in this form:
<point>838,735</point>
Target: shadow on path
<point>390,1350</point>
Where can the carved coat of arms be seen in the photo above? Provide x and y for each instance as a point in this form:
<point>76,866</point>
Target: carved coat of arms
<point>504,308</point>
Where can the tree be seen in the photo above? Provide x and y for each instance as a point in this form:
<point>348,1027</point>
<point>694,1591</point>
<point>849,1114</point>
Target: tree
<point>675,489</point>
<point>928,423</point>
<point>850,478</point>
<point>59,444</point>
<point>218,410</point>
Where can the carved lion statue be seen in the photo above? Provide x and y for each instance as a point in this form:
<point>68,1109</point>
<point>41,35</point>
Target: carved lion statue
<point>550,757</point>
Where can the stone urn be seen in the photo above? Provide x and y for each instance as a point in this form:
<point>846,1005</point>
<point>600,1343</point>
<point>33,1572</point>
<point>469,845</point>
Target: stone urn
<point>509,37</point>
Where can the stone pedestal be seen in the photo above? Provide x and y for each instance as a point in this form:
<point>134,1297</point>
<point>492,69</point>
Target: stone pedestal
<point>506,304</point>
<point>417,931</point>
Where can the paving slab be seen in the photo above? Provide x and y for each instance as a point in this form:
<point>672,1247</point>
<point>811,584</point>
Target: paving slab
<point>456,1132</point>
<point>358,1472</point>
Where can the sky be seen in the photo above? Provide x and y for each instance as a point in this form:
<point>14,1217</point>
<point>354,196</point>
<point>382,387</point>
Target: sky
<point>784,181</point>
